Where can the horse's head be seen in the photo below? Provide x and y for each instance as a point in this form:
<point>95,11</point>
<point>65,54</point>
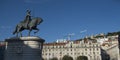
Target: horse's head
<point>38,20</point>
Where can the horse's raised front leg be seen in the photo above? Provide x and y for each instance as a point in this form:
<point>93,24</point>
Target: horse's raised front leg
<point>36,31</point>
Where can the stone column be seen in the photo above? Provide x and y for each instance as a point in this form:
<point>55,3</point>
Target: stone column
<point>24,48</point>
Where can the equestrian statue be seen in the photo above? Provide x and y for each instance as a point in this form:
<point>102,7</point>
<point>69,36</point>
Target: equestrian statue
<point>28,24</point>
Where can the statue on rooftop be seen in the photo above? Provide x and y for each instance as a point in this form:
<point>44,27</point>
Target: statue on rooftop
<point>28,24</point>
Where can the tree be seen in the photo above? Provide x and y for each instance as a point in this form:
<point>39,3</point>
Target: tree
<point>54,58</point>
<point>66,57</point>
<point>82,58</point>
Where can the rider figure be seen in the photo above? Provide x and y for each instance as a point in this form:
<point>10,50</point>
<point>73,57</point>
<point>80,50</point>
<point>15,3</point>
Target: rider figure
<point>27,18</point>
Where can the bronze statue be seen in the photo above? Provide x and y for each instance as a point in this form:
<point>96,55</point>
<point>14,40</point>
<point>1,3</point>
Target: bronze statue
<point>27,18</point>
<point>28,24</point>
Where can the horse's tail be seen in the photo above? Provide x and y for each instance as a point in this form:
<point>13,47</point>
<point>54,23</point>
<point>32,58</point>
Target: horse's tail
<point>15,30</point>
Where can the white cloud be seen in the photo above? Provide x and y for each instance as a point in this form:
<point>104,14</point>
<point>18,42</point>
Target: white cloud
<point>83,31</point>
<point>5,27</point>
<point>72,34</point>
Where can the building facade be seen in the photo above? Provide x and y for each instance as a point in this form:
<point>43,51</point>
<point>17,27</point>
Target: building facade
<point>100,48</point>
<point>72,48</point>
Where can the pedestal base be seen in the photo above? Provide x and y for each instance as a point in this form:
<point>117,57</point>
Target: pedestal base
<point>24,48</point>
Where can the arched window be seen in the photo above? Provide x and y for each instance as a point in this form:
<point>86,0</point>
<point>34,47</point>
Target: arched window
<point>82,58</point>
<point>67,57</point>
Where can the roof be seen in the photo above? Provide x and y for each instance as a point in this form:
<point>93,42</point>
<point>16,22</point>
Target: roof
<point>51,44</point>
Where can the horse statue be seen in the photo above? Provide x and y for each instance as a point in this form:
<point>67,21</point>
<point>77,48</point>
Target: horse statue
<point>32,25</point>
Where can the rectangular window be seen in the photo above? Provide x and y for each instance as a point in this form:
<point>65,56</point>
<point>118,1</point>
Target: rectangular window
<point>90,49</point>
<point>59,46</point>
<point>97,49</point>
<point>49,50</point>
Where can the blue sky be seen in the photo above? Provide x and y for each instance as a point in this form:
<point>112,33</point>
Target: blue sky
<point>62,17</point>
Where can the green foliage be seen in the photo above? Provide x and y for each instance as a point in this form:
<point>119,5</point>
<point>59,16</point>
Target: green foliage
<point>82,58</point>
<point>113,33</point>
<point>66,57</point>
<point>99,36</point>
<point>54,58</point>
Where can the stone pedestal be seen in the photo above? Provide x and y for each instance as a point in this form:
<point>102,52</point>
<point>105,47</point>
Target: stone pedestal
<point>24,48</point>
